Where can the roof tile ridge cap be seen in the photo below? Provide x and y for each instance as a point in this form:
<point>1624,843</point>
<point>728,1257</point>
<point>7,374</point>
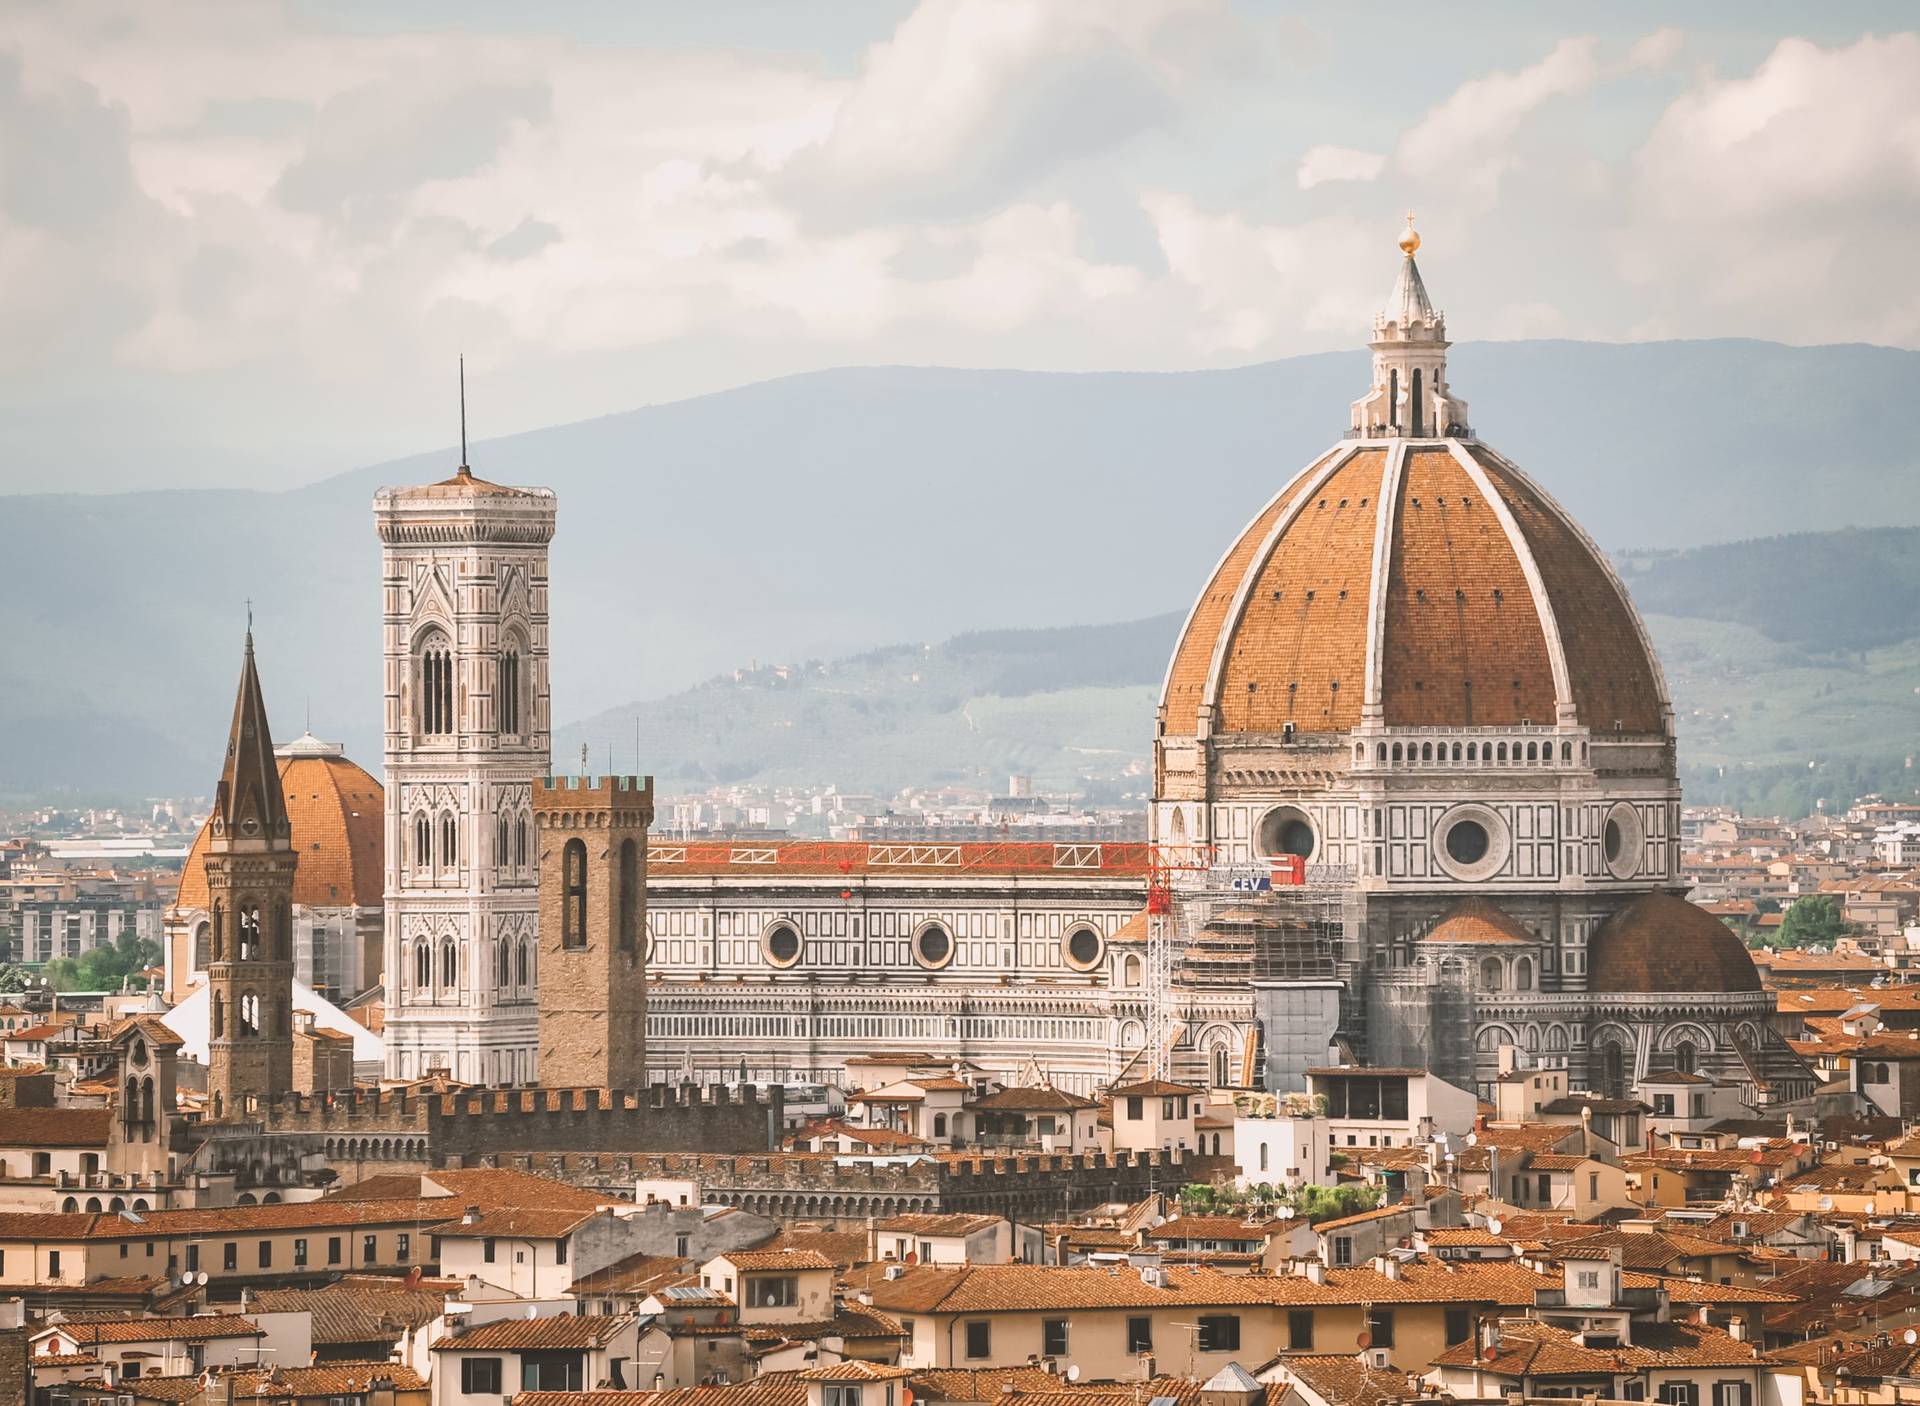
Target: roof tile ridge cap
<point>1186,626</point>
<point>1312,480</point>
<point>1581,535</point>
<point>1565,705</point>
<point>1387,517</point>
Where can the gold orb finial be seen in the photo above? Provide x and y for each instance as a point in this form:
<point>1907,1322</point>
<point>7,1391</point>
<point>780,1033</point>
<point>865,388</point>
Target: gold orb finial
<point>1410,241</point>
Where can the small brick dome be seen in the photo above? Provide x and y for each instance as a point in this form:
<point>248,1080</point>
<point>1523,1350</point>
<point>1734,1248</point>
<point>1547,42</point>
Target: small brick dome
<point>1432,580</point>
<point>1660,945</point>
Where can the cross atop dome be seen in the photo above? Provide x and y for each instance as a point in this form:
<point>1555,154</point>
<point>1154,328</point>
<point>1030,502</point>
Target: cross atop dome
<point>1410,397</point>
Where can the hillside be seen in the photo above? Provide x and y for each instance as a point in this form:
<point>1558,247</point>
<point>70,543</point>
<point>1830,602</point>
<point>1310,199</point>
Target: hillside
<point>1776,708</point>
<point>814,516</point>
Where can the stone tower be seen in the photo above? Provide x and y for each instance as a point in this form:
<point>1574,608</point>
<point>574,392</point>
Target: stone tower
<point>593,930</point>
<point>250,864</point>
<point>464,566</point>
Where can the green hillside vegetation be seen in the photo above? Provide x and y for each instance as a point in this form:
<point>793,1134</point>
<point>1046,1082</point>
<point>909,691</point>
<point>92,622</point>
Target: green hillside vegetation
<point>1794,664</point>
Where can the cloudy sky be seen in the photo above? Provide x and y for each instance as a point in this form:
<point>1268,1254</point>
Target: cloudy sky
<point>243,243</point>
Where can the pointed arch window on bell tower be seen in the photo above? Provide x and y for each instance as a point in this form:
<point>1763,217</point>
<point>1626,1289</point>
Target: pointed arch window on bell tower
<point>573,899</point>
<point>436,686</point>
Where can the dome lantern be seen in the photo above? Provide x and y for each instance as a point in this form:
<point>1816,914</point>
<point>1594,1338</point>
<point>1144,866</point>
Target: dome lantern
<point>1410,398</point>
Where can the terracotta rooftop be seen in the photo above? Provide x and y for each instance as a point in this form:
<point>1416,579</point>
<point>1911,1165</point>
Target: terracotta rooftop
<point>338,820</point>
<point>1659,944</point>
<point>1478,922</point>
<point>535,1334</point>
<point>55,1127</point>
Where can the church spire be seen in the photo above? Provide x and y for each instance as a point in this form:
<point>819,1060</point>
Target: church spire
<point>249,804</point>
<point>1410,397</point>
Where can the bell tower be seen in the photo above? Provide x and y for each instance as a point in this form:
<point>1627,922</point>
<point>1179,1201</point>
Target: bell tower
<point>250,863</point>
<point>593,930</point>
<point>1410,398</point>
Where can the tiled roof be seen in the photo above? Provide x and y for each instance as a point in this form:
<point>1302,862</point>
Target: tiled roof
<point>535,1334</point>
<point>845,1248</point>
<point>359,1309</point>
<point>1478,922</point>
<point>1661,944</point>
<point>1155,1088</point>
<point>991,1288</point>
<point>636,1274</point>
<point>768,1389</point>
<point>1542,1350</point>
<point>55,1127</point>
<point>338,819</point>
<point>754,1260</point>
<point>525,1222</point>
<point>323,1379</point>
<point>139,1330</point>
<point>1218,1228</point>
<point>292,1215</point>
<point>1040,1099</point>
<point>939,1225</point>
<point>1344,1379</point>
<point>1398,1208</point>
<point>854,1371</point>
<point>978,1383</point>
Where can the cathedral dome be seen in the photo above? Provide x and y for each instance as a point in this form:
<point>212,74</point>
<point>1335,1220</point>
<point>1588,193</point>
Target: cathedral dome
<point>1662,945</point>
<point>1412,577</point>
<point>338,831</point>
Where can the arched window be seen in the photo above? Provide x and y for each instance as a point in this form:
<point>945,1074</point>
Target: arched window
<point>1456,751</point>
<point>573,898</point>
<point>1492,978</point>
<point>422,843</point>
<point>629,895</point>
<point>1380,753</point>
<point>509,700</point>
<point>506,965</point>
<point>436,686</point>
<point>1263,1156</point>
<point>520,964</point>
<point>1396,751</point>
<point>249,940</point>
<point>1684,1057</point>
<point>520,843</point>
<point>502,855</point>
<point>422,966</point>
<point>1523,974</point>
<point>1220,1070</point>
<point>1566,751</point>
<point>247,1018</point>
<point>219,1016</point>
<point>1533,751</point>
<point>1613,1070</point>
<point>1503,751</point>
<point>1473,751</point>
<point>939,1125</point>
<point>449,841</point>
<point>1419,410</point>
<point>146,1100</point>
<point>1393,397</point>
<point>1426,751</point>
<point>449,964</point>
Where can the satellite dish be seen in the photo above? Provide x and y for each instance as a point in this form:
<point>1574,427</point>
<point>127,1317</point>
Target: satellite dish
<point>1364,1340</point>
<point>1493,1225</point>
<point>186,1279</point>
<point>913,1257</point>
<point>1473,1139</point>
<point>201,1277</point>
<point>1073,1372</point>
<point>1910,1337</point>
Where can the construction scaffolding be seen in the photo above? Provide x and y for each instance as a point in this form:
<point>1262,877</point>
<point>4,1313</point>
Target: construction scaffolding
<point>1218,926</point>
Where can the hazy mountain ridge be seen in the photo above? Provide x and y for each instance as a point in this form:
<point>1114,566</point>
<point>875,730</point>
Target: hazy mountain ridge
<point>1775,708</point>
<point>811,516</point>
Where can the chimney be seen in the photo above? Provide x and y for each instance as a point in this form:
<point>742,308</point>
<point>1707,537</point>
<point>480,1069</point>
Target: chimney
<point>470,1215</point>
<point>1386,1266</point>
<point>1737,1328</point>
<point>1316,1272</point>
<point>1586,1130</point>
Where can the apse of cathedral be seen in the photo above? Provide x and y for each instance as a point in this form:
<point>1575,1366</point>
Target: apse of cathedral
<point>1415,802</point>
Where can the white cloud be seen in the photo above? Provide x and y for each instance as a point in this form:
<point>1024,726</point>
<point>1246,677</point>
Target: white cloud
<point>1468,137</point>
<point>1770,202</point>
<point>1657,50</point>
<point>1337,163</point>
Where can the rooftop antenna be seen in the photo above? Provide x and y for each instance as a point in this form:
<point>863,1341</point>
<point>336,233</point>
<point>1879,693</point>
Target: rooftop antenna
<point>463,414</point>
<point>583,760</point>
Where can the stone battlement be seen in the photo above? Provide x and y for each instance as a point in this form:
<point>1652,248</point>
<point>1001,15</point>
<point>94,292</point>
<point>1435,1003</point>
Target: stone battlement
<point>469,1124</point>
<point>622,792</point>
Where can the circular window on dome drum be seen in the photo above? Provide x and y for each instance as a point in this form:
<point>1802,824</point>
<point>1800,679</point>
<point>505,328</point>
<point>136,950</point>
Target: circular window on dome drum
<point>1083,947</point>
<point>932,946</point>
<point>1471,843</point>
<point>1288,830</point>
<point>1621,839</point>
<point>780,944</point>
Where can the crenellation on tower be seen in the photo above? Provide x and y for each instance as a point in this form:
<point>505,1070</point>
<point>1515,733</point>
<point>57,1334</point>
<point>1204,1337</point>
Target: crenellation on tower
<point>593,929</point>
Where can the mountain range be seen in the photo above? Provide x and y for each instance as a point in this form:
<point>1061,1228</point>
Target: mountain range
<point>818,516</point>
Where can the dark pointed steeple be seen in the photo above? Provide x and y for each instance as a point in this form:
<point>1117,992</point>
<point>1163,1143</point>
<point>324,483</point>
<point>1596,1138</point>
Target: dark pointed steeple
<point>249,804</point>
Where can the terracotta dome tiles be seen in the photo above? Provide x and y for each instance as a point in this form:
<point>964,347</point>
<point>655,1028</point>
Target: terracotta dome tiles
<point>1609,667</point>
<point>1662,945</point>
<point>1463,643</point>
<point>1298,652</point>
<point>337,816</point>
<point>1462,638</point>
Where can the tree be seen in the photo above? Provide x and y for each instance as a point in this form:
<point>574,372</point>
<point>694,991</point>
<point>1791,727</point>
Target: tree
<point>105,967</point>
<point>1196,1197</point>
<point>1318,1203</point>
<point>1815,919</point>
